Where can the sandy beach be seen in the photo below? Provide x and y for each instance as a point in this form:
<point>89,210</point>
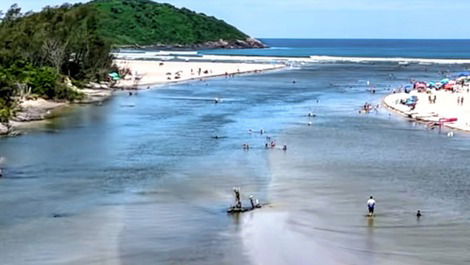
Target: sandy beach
<point>446,107</point>
<point>146,73</point>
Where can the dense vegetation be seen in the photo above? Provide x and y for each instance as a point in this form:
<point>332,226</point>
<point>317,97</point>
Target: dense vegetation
<point>39,52</point>
<point>144,22</point>
<point>42,53</point>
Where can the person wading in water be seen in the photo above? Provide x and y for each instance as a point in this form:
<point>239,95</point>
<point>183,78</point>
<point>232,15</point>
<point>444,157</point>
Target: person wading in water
<point>371,205</point>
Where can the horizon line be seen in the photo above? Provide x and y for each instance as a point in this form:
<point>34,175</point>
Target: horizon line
<point>290,38</point>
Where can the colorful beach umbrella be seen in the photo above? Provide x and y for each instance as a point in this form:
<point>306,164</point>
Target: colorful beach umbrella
<point>448,86</point>
<point>445,81</point>
<point>420,85</point>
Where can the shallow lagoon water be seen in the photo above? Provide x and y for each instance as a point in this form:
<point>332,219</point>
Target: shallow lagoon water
<point>140,180</point>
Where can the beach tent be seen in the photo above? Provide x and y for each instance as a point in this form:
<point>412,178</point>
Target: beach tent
<point>411,101</point>
<point>114,76</point>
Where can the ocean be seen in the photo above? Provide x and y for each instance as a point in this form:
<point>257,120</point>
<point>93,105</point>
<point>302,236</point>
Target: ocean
<point>142,180</point>
<point>381,48</point>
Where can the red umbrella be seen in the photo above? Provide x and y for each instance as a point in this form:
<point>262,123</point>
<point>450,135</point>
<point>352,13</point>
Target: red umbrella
<point>449,86</point>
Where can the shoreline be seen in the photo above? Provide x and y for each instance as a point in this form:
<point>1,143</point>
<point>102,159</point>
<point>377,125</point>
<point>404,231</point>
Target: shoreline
<point>425,112</point>
<point>146,72</point>
<point>37,111</point>
<point>34,112</point>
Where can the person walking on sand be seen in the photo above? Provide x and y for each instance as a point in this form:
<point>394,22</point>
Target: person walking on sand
<point>371,205</point>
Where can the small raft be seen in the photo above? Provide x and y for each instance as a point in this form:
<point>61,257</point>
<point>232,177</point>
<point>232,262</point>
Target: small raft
<point>234,209</point>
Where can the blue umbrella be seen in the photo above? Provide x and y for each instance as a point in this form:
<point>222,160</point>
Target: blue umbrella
<point>461,74</point>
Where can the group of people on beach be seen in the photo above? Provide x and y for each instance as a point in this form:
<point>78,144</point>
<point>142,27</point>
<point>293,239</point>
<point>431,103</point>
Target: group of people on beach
<point>432,99</point>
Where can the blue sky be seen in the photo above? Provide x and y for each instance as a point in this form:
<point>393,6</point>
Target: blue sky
<point>327,18</point>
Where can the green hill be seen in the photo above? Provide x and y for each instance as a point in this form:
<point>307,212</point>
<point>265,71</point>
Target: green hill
<point>144,22</point>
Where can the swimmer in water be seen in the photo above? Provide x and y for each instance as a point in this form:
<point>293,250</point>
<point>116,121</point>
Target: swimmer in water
<point>273,144</point>
<point>371,205</point>
<point>418,214</point>
<point>252,202</point>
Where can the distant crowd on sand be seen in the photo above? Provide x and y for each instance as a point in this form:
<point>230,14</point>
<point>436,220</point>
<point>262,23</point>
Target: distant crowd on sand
<point>440,102</point>
<point>137,73</point>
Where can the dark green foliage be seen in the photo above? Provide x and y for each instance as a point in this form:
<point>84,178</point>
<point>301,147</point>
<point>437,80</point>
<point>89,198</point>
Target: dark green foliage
<point>38,50</point>
<point>43,81</point>
<point>7,91</point>
<point>46,81</point>
<point>65,38</point>
<point>144,22</point>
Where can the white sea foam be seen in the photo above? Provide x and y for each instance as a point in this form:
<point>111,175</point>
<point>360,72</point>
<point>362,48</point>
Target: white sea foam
<point>399,60</point>
<point>196,56</point>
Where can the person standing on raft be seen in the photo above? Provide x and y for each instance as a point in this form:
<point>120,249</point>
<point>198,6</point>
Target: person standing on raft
<point>238,202</point>
<point>371,205</point>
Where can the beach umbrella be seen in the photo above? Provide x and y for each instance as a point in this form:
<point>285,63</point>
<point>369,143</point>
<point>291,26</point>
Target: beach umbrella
<point>420,85</point>
<point>445,81</point>
<point>462,74</point>
<point>114,76</point>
